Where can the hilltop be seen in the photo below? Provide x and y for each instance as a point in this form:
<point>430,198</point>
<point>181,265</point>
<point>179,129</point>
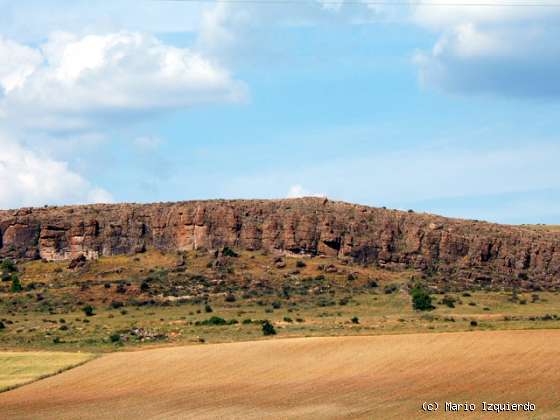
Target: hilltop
<point>461,252</point>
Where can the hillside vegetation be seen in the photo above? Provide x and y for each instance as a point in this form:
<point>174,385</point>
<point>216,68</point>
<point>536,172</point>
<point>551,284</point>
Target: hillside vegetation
<point>196,297</point>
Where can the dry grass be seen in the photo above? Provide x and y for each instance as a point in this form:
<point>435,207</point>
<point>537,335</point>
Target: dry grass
<point>18,368</point>
<point>355,377</point>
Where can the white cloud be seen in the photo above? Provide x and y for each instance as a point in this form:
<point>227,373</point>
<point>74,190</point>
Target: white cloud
<point>504,50</point>
<point>297,191</point>
<point>80,82</point>
<point>30,179</point>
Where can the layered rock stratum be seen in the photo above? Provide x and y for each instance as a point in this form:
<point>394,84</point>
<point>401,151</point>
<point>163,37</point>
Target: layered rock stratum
<point>458,252</point>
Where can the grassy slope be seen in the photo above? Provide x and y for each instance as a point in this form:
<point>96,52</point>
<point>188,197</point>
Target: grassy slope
<point>320,313</point>
<point>358,377</point>
<point>18,368</point>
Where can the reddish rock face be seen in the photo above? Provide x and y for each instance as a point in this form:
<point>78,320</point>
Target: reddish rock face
<point>455,252</point>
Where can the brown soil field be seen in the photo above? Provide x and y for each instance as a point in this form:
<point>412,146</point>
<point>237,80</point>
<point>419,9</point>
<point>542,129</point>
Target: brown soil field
<point>341,377</point>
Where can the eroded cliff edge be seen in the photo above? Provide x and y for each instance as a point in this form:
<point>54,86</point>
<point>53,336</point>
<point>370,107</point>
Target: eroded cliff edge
<point>448,250</point>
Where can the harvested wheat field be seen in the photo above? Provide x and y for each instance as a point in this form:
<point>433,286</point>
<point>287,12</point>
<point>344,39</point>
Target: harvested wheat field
<point>355,377</point>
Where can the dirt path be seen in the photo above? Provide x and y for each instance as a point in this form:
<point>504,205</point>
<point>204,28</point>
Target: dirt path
<point>356,377</point>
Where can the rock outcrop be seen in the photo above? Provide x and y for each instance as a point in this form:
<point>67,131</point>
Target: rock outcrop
<point>460,252</point>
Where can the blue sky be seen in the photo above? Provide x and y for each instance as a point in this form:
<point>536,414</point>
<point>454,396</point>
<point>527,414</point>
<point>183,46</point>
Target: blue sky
<point>430,108</point>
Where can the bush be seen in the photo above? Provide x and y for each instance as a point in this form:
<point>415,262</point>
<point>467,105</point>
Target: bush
<point>421,299</point>
<point>228,252</point>
<point>208,309</point>
<point>344,301</point>
<point>355,320</point>
<point>230,297</point>
<point>115,338</point>
<point>115,304</point>
<point>16,284</point>
<point>215,320</point>
<point>268,328</point>
<point>449,301</point>
<point>474,323</point>
<point>391,288</point>
<point>8,266</point>
<point>288,319</point>
<point>2,326</point>
<point>88,310</point>
<point>300,264</point>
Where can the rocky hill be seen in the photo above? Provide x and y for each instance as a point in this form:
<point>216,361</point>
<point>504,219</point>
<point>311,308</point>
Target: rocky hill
<point>457,252</point>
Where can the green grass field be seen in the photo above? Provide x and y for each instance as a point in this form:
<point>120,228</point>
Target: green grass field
<point>18,368</point>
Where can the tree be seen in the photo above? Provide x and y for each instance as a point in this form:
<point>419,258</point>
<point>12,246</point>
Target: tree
<point>268,328</point>
<point>421,299</point>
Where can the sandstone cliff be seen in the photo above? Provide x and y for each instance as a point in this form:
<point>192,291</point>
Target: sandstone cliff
<point>456,251</point>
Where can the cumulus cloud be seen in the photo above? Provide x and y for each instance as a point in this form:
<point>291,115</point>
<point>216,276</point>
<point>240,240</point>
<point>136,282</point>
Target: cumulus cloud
<point>508,51</point>
<point>72,83</point>
<point>30,179</point>
<point>505,50</point>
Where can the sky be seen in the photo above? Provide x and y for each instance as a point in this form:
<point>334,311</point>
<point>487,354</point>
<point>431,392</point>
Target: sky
<point>448,107</point>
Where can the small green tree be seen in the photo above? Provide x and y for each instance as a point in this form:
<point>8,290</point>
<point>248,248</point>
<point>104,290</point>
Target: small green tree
<point>16,284</point>
<point>421,299</point>
<point>268,328</point>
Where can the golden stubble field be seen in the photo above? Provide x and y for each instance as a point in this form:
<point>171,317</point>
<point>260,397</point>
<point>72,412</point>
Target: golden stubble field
<point>353,377</point>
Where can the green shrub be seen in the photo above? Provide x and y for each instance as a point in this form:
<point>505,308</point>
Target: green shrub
<point>391,288</point>
<point>449,301</point>
<point>115,338</point>
<point>474,323</point>
<point>16,284</point>
<point>355,320</point>
<point>230,297</point>
<point>88,310</point>
<point>268,328</point>
<point>115,304</point>
<point>247,321</point>
<point>215,320</point>
<point>288,319</point>
<point>421,299</point>
<point>300,264</point>
<point>208,309</point>
<point>344,301</point>
<point>228,252</point>
<point>2,326</point>
<point>8,266</point>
